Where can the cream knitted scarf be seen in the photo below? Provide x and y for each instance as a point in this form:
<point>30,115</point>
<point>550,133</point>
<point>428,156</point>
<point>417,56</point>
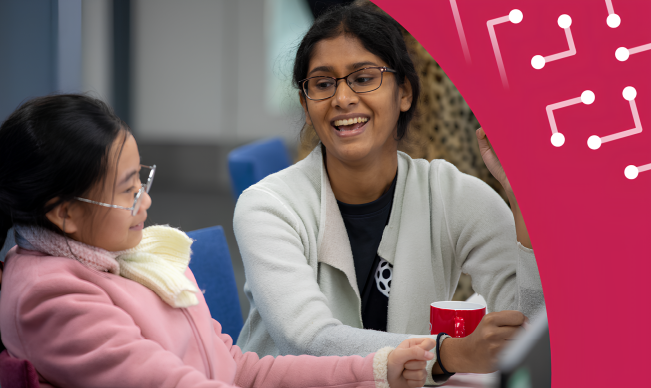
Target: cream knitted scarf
<point>158,262</point>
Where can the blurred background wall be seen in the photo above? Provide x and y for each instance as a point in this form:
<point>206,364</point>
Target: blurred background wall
<point>193,79</point>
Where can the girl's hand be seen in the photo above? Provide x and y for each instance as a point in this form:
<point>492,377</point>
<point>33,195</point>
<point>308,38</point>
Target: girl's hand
<point>491,160</point>
<point>406,363</point>
<point>478,352</point>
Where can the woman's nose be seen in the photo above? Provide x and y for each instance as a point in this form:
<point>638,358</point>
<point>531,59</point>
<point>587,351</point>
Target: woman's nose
<point>344,95</point>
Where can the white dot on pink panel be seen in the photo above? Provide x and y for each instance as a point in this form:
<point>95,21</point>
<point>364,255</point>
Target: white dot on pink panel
<point>622,54</point>
<point>515,16</point>
<point>587,97</point>
<point>613,20</point>
<point>564,21</point>
<point>629,93</point>
<point>631,172</point>
<point>558,139</point>
<point>538,62</point>
<point>594,142</point>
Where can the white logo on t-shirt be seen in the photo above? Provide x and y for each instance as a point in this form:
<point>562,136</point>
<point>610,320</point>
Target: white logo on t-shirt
<point>383,275</point>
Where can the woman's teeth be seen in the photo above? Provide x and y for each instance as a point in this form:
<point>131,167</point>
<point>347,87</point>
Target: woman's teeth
<point>339,123</point>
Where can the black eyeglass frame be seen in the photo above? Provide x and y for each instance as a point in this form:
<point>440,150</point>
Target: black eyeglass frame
<point>382,69</point>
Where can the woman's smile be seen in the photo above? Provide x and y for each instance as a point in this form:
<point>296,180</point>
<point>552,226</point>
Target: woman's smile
<point>350,124</point>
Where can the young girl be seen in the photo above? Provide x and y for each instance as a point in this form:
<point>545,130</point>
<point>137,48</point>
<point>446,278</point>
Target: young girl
<point>366,236</point>
<point>92,299</point>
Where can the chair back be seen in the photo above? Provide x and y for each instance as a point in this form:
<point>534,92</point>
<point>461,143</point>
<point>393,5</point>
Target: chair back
<point>17,373</point>
<point>250,163</point>
<point>213,270</point>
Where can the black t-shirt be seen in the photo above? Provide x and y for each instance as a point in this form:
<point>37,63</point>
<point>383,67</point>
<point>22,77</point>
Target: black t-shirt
<point>365,224</point>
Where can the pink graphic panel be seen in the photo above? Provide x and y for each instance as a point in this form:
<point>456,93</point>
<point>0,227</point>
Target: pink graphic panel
<point>462,34</point>
<point>587,215</point>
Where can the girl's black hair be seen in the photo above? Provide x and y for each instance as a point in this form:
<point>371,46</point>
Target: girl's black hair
<point>378,33</point>
<point>52,147</point>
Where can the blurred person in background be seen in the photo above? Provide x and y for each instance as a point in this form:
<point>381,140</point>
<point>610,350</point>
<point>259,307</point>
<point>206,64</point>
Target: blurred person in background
<point>326,242</point>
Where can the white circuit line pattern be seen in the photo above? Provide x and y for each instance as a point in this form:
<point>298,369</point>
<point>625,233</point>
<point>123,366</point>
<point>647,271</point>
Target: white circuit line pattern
<point>538,62</point>
<point>587,98</point>
<point>462,34</point>
<point>564,21</point>
<point>623,53</point>
<point>613,20</point>
<point>629,93</point>
<point>515,17</point>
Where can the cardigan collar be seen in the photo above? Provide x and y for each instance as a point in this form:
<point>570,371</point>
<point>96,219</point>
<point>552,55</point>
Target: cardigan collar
<point>333,243</point>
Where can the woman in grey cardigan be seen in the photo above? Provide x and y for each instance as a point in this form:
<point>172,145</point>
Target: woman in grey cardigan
<point>326,242</point>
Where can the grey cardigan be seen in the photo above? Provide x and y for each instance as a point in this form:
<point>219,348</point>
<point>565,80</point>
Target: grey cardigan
<point>299,266</point>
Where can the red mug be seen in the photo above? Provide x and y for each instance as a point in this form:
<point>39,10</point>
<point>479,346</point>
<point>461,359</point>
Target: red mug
<point>456,319</point>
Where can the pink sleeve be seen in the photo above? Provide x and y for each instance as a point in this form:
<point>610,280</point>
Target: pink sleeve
<point>75,337</point>
<point>299,371</point>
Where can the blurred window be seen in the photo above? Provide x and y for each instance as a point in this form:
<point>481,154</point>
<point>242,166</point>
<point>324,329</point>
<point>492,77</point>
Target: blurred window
<point>286,21</point>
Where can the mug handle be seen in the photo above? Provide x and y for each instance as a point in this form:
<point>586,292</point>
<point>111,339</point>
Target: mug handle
<point>459,327</point>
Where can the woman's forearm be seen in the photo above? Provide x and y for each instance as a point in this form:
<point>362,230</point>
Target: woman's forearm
<point>520,226</point>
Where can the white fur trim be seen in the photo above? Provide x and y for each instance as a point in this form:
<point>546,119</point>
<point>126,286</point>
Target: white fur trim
<point>380,368</point>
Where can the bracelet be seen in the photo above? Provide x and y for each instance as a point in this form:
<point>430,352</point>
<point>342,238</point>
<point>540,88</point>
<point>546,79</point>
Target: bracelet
<point>438,353</point>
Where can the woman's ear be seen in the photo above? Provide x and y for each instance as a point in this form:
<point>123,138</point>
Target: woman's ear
<point>63,217</point>
<point>308,119</point>
<point>406,95</point>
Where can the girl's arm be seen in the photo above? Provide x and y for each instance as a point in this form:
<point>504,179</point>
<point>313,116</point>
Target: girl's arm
<point>401,367</point>
<point>73,334</point>
<point>304,371</point>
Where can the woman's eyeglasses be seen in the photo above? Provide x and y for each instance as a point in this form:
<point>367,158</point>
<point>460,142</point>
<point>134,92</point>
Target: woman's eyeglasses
<point>363,80</point>
<point>137,199</point>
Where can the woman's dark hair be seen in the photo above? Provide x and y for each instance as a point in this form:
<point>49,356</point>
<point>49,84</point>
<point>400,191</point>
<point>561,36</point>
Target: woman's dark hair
<point>52,147</point>
<point>378,33</point>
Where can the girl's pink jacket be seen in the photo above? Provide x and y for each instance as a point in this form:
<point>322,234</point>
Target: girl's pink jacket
<point>84,328</point>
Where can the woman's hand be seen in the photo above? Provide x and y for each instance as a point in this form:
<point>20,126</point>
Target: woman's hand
<point>491,160</point>
<point>406,363</point>
<point>478,352</point>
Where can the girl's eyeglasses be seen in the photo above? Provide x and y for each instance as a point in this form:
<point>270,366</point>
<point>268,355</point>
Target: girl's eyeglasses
<point>138,198</point>
<point>363,80</point>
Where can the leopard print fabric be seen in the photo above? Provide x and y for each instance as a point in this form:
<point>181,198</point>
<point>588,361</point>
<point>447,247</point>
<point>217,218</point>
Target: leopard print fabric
<point>443,128</point>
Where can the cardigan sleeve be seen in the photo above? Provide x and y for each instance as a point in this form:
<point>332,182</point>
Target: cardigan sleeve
<point>482,234</point>
<point>284,289</point>
<point>76,337</point>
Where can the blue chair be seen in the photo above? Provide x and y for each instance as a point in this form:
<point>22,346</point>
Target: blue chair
<point>213,270</point>
<point>250,163</point>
